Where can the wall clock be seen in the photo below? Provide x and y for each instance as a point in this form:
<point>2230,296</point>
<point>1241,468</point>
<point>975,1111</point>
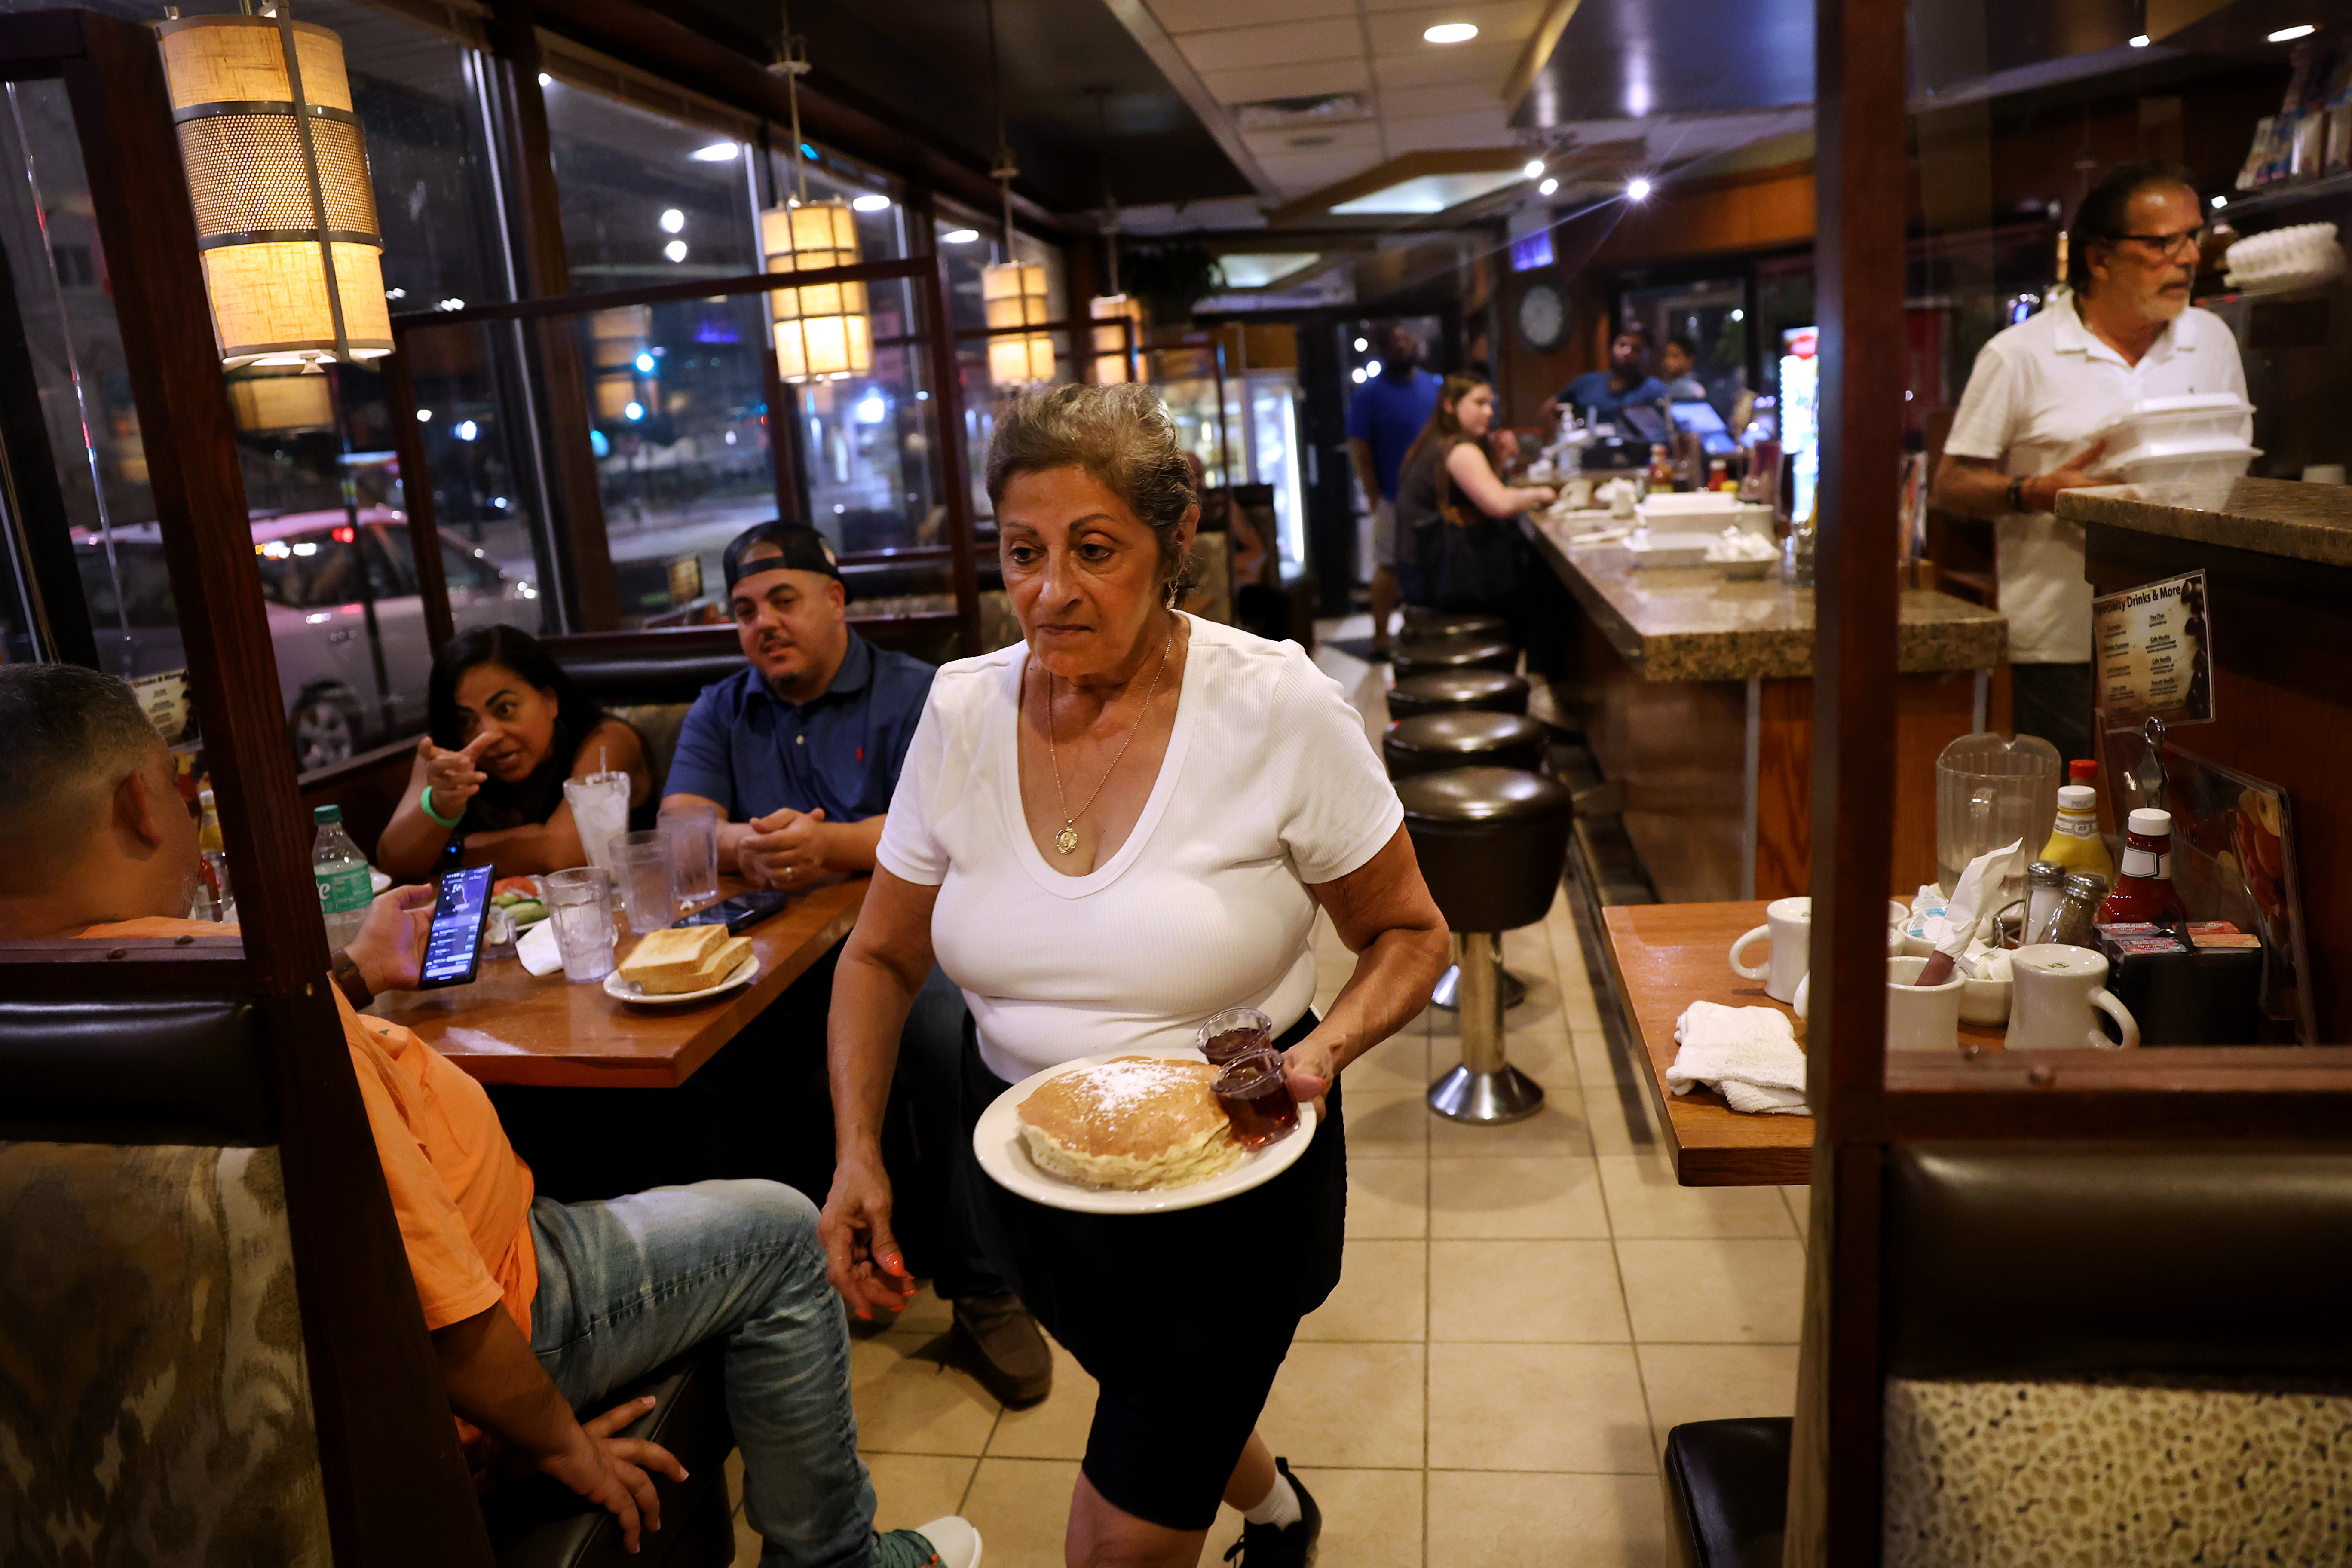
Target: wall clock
<point>1543,316</point>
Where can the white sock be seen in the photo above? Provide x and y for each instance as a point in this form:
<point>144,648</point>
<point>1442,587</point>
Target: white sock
<point>1279,1508</point>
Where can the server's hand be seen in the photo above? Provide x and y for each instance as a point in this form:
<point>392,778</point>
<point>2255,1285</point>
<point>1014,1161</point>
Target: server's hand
<point>861,1255</point>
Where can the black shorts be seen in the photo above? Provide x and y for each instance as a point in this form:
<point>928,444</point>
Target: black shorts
<point>1183,1318</point>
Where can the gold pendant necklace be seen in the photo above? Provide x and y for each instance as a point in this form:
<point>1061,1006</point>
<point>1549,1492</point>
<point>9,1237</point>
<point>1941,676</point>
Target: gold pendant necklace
<point>1066,842</point>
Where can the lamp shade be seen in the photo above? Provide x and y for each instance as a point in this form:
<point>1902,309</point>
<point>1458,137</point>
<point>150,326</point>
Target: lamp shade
<point>263,248</point>
<point>823,331</point>
<point>270,402</point>
<point>617,337</point>
<point>1015,295</point>
<point>1118,334</point>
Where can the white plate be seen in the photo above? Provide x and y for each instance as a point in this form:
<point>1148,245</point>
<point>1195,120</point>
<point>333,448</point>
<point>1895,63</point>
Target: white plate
<point>626,990</point>
<point>997,1142</point>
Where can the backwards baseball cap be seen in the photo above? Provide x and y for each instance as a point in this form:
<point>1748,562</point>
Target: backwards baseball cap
<point>779,546</point>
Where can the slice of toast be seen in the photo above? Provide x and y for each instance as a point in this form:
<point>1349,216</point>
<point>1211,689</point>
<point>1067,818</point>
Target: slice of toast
<point>715,967</point>
<point>670,955</point>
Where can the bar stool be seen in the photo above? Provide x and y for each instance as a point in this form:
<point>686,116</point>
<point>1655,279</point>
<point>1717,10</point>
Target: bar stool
<point>1470,737</point>
<point>1438,654</point>
<point>1493,842</point>
<point>1421,625</point>
<point>1452,691</point>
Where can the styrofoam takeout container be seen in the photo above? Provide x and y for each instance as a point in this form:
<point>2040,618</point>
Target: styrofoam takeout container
<point>1650,547</point>
<point>1688,508</point>
<point>2166,462</point>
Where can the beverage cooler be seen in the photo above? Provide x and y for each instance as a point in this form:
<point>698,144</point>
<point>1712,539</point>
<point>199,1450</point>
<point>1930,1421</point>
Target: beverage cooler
<point>1245,428</point>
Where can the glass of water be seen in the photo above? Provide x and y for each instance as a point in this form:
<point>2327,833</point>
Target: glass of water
<point>641,864</point>
<point>579,901</point>
<point>693,834</point>
<point>600,811</point>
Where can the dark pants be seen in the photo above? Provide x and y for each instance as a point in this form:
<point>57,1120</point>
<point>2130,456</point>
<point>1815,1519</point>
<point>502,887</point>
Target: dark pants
<point>2053,701</point>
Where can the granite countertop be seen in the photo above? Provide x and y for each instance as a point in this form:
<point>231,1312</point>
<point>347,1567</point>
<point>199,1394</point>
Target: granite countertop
<point>2269,517</point>
<point>1695,623</point>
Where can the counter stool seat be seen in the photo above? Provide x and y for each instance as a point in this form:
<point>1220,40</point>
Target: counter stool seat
<point>1491,843</point>
<point>1448,691</point>
<point>1420,624</point>
<point>1728,1491</point>
<point>1472,738</point>
<point>1418,658</point>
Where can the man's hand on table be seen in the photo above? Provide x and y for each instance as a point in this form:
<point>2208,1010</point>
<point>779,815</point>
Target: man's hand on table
<point>784,849</point>
<point>389,947</point>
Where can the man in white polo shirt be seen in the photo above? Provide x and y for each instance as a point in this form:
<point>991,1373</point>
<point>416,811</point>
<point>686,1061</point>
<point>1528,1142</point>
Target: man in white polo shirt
<point>2040,391</point>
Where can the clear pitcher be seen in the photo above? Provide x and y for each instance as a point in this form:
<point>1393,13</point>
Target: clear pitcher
<point>1991,791</point>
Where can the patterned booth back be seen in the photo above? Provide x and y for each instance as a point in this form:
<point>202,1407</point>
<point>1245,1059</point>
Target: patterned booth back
<point>154,1396</point>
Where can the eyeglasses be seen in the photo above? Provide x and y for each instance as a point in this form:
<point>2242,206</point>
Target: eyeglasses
<point>2170,244</point>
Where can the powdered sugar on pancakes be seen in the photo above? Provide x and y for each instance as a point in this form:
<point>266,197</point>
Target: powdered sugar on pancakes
<point>1134,1123</point>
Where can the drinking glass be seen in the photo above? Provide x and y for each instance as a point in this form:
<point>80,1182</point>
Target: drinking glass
<point>641,864</point>
<point>580,902</point>
<point>600,810</point>
<point>1235,1033</point>
<point>693,833</point>
<point>1255,1094</point>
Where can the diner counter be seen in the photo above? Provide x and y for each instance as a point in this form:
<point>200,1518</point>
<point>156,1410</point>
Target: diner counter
<point>2284,518</point>
<point>1696,623</point>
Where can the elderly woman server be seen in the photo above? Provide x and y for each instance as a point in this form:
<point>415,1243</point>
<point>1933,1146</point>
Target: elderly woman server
<point>1106,833</point>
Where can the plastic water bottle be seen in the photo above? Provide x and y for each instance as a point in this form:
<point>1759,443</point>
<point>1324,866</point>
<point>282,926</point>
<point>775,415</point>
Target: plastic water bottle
<point>345,888</point>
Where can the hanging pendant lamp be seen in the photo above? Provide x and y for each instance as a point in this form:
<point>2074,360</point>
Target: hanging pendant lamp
<point>277,166</point>
<point>1012,291</point>
<point>823,331</point>
<point>1119,320</point>
<point>620,348</point>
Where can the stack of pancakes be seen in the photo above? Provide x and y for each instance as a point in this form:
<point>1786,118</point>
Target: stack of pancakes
<point>1133,1123</point>
<point>680,959</point>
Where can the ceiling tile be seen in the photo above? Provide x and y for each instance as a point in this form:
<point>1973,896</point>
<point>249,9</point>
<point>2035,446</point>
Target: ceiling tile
<point>1483,128</point>
<point>1295,141</point>
<point>1425,64</point>
<point>1283,43</point>
<point>1191,15</point>
<point>1288,81</point>
<point>1298,175</point>
<point>1499,22</point>
<point>1420,102</point>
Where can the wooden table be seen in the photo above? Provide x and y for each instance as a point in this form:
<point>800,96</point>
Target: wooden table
<point>511,1026</point>
<point>1664,957</point>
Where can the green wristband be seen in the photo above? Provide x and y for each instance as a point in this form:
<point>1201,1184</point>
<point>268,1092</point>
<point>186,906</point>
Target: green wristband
<point>425,801</point>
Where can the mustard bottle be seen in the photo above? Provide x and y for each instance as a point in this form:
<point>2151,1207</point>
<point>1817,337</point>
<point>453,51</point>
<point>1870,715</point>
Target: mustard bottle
<point>2074,841</point>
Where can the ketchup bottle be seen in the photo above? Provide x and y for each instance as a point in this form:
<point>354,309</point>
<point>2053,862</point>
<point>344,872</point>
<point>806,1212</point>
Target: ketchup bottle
<point>2142,890</point>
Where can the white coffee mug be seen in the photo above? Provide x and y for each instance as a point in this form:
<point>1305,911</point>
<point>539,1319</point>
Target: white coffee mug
<point>1918,1017</point>
<point>1789,923</point>
<point>2056,993</point>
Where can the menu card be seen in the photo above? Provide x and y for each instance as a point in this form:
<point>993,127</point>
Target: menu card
<point>2154,649</point>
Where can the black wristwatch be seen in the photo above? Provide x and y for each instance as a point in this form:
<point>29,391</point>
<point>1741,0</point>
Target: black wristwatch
<point>349,981</point>
<point>2017,495</point>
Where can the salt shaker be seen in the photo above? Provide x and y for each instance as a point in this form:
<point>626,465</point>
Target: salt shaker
<point>2046,890</point>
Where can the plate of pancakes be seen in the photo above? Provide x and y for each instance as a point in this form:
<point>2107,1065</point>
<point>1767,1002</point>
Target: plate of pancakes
<point>1134,1131</point>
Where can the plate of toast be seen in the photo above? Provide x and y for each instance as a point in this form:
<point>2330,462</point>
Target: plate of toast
<point>679,964</point>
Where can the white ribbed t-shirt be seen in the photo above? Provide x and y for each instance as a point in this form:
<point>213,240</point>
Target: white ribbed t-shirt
<point>1268,786</point>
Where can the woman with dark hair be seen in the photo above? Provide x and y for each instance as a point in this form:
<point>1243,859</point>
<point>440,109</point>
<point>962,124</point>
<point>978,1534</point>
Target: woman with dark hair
<point>1456,549</point>
<point>504,728</point>
<point>2040,392</point>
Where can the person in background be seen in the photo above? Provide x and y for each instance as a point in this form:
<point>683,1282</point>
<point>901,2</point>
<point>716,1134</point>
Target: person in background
<point>535,1307</point>
<point>1386,412</point>
<point>1674,363</point>
<point>2124,331</point>
<point>505,726</point>
<point>1448,481</point>
<point>1627,379</point>
<point>800,752</point>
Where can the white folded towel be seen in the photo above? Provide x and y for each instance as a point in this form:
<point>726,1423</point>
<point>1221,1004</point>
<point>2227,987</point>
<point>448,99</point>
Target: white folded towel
<point>1749,1054</point>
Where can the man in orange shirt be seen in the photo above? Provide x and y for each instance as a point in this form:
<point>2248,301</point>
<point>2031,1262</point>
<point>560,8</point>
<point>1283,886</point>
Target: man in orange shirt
<point>534,1307</point>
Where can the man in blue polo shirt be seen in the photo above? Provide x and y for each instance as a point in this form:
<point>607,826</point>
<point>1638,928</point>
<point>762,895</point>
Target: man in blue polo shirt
<point>1627,379</point>
<point>1384,418</point>
<point>800,752</point>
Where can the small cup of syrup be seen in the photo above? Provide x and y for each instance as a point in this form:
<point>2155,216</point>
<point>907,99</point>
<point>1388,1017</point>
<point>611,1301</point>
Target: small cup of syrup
<point>1235,1033</point>
<point>1255,1095</point>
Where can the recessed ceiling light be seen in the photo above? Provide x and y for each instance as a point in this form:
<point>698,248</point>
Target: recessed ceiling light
<point>959,235</point>
<point>872,203</point>
<point>1462,32</point>
<point>1638,188</point>
<point>1548,187</point>
<point>2220,201</point>
<point>675,250</point>
<point>717,153</point>
<point>2139,40</point>
<point>1534,168</point>
<point>672,220</point>
<point>545,79</point>
<point>2289,34</point>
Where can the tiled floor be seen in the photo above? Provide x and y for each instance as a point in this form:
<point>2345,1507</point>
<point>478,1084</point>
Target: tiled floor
<point>1526,1311</point>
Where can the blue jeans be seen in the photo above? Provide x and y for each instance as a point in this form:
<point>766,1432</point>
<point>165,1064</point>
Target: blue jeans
<point>627,1283</point>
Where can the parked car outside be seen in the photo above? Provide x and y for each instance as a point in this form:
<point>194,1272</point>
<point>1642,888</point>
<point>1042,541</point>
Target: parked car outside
<point>319,576</point>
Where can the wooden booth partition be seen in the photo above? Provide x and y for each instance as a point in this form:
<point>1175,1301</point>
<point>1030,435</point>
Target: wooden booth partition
<point>395,1486</point>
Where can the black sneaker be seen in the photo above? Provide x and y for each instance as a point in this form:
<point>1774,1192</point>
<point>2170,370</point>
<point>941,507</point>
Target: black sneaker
<point>999,1344</point>
<point>1285,1545</point>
